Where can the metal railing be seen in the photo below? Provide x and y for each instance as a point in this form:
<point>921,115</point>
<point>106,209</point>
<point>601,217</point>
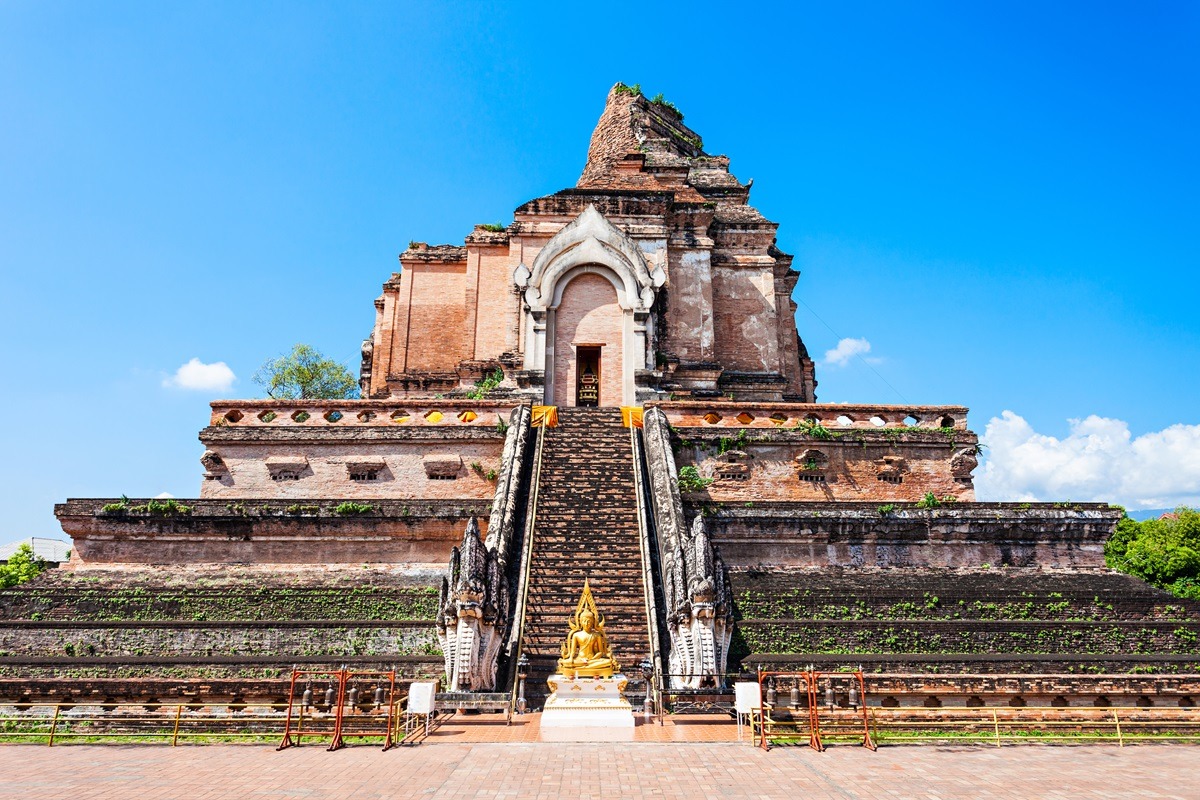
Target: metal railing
<point>807,717</point>
<point>996,726</point>
<point>363,724</point>
<point>1035,724</point>
<point>189,722</point>
<point>175,723</point>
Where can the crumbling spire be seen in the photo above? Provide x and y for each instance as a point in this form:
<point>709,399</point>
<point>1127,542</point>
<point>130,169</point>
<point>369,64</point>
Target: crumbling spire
<point>631,131</point>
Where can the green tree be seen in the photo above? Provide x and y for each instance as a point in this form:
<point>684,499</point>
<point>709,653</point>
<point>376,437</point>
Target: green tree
<point>1164,552</point>
<point>305,374</point>
<point>22,566</point>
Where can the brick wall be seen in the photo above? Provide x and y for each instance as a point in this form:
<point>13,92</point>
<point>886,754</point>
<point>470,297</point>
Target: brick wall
<point>852,471</point>
<point>398,466</point>
<point>417,533</point>
<point>277,640</point>
<point>437,335</point>
<point>859,534</point>
<point>744,319</point>
<point>497,303</point>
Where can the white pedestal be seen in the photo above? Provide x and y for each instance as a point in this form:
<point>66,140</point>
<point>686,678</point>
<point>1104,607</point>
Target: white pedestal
<point>587,703</point>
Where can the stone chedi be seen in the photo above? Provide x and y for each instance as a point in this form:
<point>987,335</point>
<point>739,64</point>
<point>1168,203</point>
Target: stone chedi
<point>725,517</point>
<point>652,276</point>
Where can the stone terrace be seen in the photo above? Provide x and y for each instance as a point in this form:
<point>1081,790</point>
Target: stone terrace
<point>219,633</point>
<point>293,531</point>
<point>997,620</point>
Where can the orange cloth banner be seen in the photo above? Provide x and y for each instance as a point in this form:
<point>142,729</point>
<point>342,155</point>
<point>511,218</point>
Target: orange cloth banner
<point>544,417</point>
<point>631,416</point>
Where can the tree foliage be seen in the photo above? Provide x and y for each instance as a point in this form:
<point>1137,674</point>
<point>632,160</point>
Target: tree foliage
<point>1164,552</point>
<point>22,566</point>
<point>306,374</point>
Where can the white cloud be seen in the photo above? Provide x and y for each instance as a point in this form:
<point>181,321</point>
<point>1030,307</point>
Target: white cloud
<point>197,375</point>
<point>847,349</point>
<point>1099,460</point>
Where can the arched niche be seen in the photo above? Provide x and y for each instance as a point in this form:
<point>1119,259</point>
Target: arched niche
<point>589,245</point>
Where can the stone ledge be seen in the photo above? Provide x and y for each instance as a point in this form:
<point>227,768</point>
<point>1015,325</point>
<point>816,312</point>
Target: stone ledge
<point>121,661</point>
<point>185,624</point>
<point>336,414</point>
<point>420,532</point>
<point>869,511</point>
<point>391,509</point>
<point>855,534</point>
<point>420,252</point>
<point>691,413</point>
<point>261,433</point>
<point>842,437</point>
<point>980,625</point>
<point>777,661</point>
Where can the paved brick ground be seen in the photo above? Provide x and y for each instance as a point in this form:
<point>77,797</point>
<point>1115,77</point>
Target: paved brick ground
<point>596,772</point>
<point>491,729</point>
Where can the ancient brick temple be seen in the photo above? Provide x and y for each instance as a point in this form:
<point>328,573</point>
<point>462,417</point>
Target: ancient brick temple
<point>610,388</point>
<point>653,275</point>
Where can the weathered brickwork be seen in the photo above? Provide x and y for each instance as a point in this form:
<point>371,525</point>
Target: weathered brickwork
<point>851,534</point>
<point>353,449</point>
<point>274,639</point>
<point>822,453</point>
<point>680,227</point>
<point>971,535</point>
<point>209,633</point>
<point>306,531</point>
<point>393,469</point>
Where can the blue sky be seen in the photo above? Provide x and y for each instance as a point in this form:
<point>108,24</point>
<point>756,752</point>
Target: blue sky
<point>1001,200</point>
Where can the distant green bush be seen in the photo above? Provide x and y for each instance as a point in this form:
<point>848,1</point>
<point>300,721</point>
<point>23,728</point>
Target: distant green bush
<point>22,566</point>
<point>1163,552</point>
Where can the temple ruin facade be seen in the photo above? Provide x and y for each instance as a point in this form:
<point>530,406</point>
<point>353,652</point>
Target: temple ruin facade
<point>610,389</point>
<point>653,277</point>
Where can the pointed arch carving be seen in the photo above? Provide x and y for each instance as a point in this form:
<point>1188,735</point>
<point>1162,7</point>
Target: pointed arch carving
<point>590,239</point>
<point>590,243</point>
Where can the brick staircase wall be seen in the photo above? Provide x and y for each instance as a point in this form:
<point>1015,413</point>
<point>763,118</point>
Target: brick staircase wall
<point>975,621</point>
<point>208,632</point>
<point>586,526</point>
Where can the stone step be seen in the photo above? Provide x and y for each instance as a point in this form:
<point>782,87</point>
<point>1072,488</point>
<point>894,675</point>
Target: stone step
<point>556,619</point>
<point>581,562</point>
<point>586,526</point>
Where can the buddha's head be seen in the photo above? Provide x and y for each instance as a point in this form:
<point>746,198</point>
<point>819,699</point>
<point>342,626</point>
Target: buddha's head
<point>587,621</point>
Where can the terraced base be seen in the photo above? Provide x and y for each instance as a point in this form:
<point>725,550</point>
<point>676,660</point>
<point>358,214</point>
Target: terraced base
<point>134,633</point>
<point>967,620</point>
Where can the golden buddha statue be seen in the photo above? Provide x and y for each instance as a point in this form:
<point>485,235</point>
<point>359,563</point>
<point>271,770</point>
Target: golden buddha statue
<point>586,653</point>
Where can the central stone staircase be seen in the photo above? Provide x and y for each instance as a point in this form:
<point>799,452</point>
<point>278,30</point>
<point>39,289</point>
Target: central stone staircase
<point>586,526</point>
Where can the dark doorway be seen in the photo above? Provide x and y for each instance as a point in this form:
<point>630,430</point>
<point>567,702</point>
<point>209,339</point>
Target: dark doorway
<point>587,376</point>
